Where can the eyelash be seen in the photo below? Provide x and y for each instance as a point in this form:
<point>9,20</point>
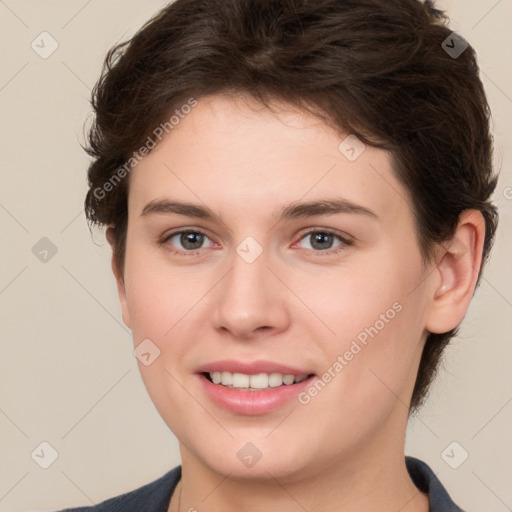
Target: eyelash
<point>345,241</point>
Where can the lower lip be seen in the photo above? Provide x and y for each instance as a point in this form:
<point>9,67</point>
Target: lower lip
<point>252,403</point>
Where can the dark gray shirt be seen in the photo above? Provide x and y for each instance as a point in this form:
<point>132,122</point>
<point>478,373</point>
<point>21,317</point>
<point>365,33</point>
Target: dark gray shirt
<point>155,496</point>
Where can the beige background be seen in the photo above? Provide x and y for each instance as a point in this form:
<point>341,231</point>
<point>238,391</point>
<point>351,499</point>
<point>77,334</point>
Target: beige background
<point>68,375</point>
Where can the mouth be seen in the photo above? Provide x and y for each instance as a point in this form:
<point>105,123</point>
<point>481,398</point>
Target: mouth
<point>256,382</point>
<point>252,388</point>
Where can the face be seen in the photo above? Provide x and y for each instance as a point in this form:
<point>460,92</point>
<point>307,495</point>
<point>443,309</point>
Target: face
<point>292,259</point>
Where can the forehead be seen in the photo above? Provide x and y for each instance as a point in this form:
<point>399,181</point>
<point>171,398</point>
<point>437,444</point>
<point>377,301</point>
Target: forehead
<point>234,154</point>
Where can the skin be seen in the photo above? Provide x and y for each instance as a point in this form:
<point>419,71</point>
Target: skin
<point>344,450</point>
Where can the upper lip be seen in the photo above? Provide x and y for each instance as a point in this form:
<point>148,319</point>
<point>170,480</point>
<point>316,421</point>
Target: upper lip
<point>250,368</point>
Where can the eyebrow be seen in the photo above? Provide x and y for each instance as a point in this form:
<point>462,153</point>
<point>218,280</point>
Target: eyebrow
<point>292,211</point>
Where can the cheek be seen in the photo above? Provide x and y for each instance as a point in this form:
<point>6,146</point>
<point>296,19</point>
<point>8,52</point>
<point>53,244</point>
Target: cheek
<point>149,310</point>
<point>377,328</point>
<point>157,297</point>
<point>158,301</point>
<point>352,299</point>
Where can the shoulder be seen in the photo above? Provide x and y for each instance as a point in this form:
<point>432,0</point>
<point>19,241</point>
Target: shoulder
<point>152,497</point>
<point>428,483</point>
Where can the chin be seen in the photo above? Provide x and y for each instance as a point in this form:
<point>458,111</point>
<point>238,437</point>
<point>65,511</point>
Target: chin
<point>257,461</point>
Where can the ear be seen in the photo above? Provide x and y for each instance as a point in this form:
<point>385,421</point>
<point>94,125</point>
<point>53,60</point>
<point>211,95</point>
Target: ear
<point>121,290</point>
<point>457,271</point>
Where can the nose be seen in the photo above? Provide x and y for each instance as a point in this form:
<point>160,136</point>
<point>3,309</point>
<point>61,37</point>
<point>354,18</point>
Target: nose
<point>251,301</point>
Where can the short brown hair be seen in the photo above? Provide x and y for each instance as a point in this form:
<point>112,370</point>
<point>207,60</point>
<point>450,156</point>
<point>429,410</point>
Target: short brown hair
<point>373,68</point>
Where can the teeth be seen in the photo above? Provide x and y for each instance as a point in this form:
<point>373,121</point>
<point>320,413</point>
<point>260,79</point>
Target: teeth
<point>254,382</point>
<point>288,379</point>
<point>275,380</point>
<point>259,381</point>
<point>240,380</point>
<point>226,378</point>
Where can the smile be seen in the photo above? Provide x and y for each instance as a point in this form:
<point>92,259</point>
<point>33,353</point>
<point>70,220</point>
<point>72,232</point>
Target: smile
<point>258,382</point>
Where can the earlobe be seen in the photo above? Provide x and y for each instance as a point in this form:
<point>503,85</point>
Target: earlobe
<point>121,289</point>
<point>457,273</point>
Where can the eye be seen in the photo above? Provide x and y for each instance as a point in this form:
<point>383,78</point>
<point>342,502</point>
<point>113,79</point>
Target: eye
<point>190,240</point>
<point>321,240</point>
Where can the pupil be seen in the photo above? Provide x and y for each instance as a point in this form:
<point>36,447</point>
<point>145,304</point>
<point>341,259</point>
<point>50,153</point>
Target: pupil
<point>189,239</point>
<point>322,238</point>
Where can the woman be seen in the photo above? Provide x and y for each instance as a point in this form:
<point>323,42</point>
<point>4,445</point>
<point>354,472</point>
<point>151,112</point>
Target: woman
<point>297,198</point>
